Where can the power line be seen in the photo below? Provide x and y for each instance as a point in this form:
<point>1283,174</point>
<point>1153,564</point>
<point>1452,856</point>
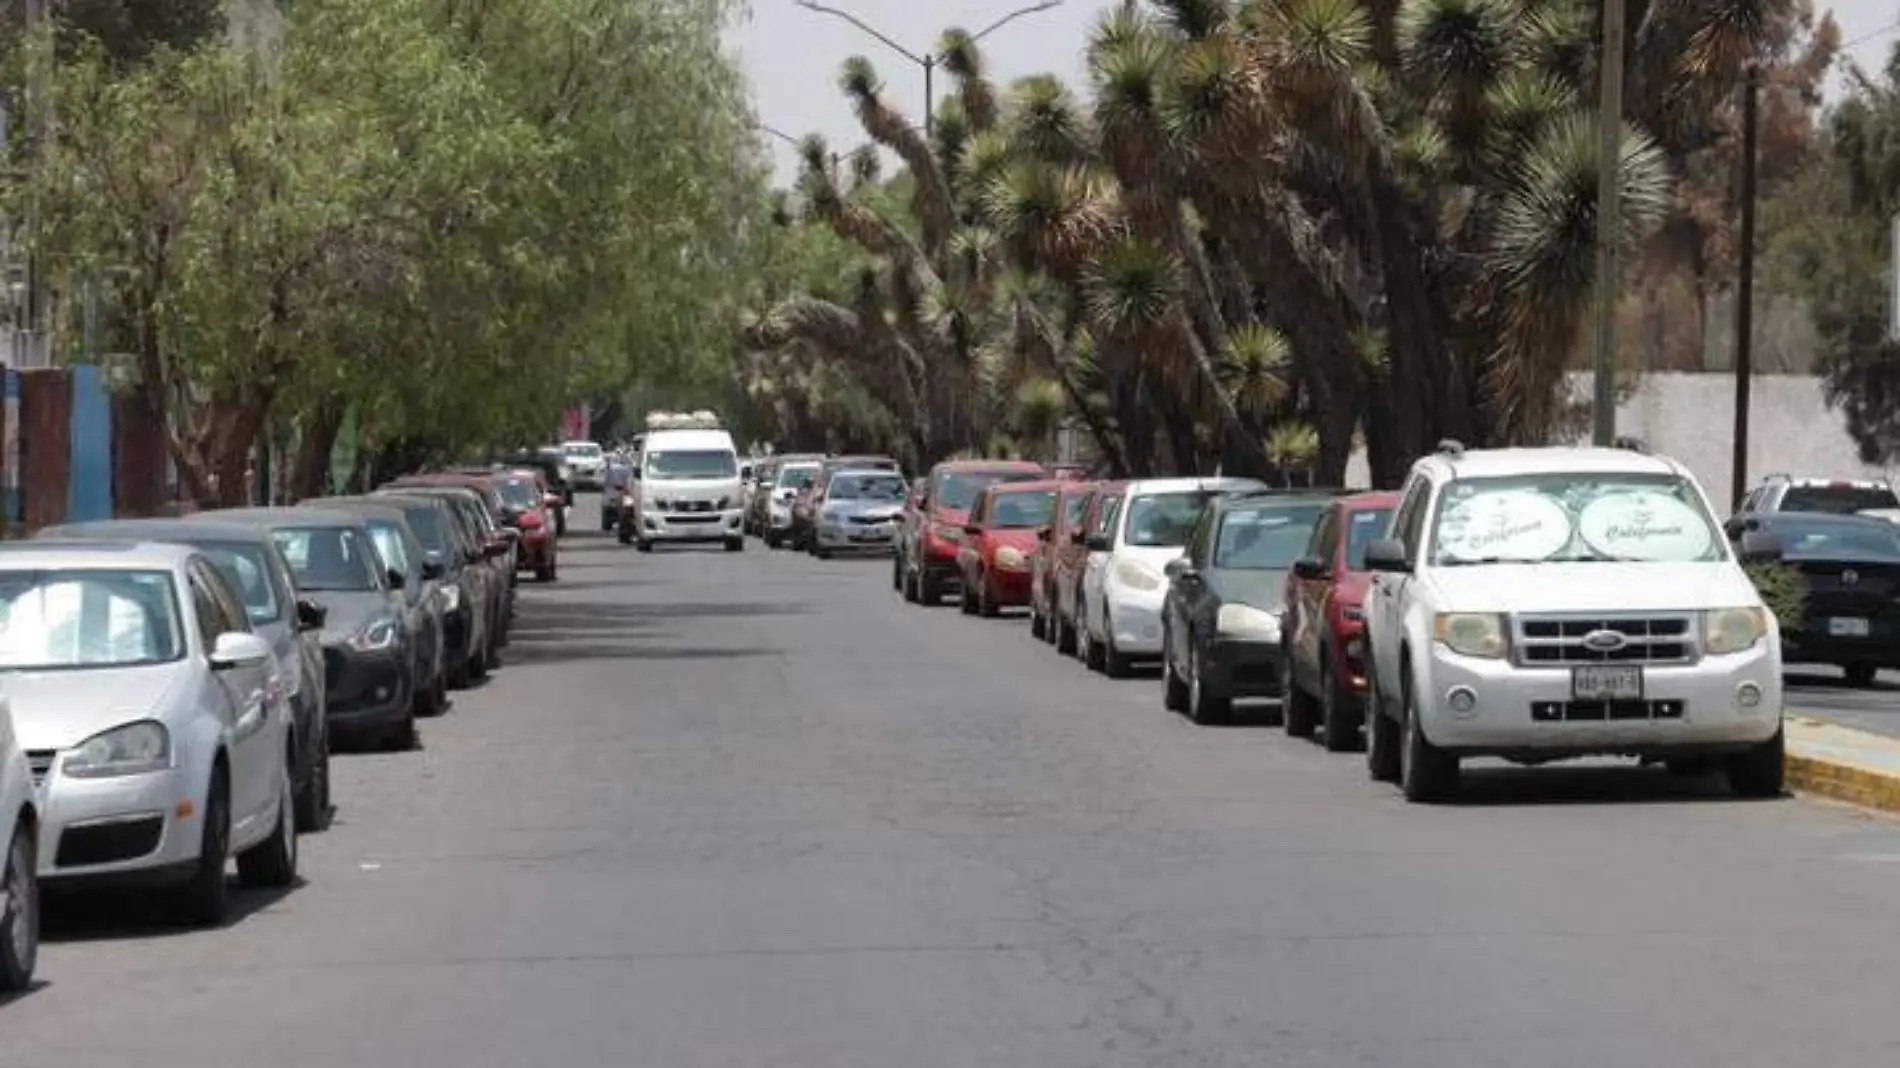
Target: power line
<point>1870,35</point>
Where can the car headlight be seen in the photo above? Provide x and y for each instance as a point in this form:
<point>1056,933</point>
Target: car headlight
<point>725,503</point>
<point>376,637</point>
<point>133,749</point>
<point>1470,633</point>
<point>1732,630</point>
<point>451,596</point>
<point>946,532</point>
<point>1136,576</point>
<point>1011,559</point>
<point>1244,620</point>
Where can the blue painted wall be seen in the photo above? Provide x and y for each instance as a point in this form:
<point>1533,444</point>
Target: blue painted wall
<point>89,495</point>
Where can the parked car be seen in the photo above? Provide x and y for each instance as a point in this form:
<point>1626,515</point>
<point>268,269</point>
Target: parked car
<point>1849,570</point>
<point>1543,604</point>
<point>466,586</point>
<point>586,461</point>
<point>527,507</point>
<point>1073,559</point>
<point>998,541</point>
<point>19,866</point>
<point>794,475</point>
<point>858,513</point>
<point>1119,619</point>
<point>806,505</point>
<point>1072,503</point>
<point>257,572</point>
<point>1325,623</point>
<point>420,592</point>
<point>1220,621</point>
<point>563,478</point>
<point>553,476</point>
<point>133,674</point>
<point>934,521</point>
<point>1839,496</point>
<point>480,514</point>
<point>375,665</point>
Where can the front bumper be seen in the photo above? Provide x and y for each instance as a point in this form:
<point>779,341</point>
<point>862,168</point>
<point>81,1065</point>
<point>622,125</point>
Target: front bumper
<point>366,689</point>
<point>693,526</point>
<point>141,830</point>
<point>1134,621</point>
<point>1685,709</point>
<point>856,537</point>
<point>534,552</point>
<point>1008,587</point>
<point>1242,667</point>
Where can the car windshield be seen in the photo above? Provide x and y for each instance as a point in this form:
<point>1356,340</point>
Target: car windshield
<point>79,618</point>
<point>1072,508</point>
<point>334,559</point>
<point>1022,510</point>
<point>1837,499</point>
<point>1363,527</point>
<point>1266,537</point>
<point>706,463</point>
<point>957,490</point>
<point>586,450</point>
<point>1164,520</point>
<point>517,493</point>
<point>245,568</point>
<point>1571,518</point>
<point>427,523</point>
<point>1871,540</point>
<point>798,477</point>
<point>866,488</point>
<point>388,539</point>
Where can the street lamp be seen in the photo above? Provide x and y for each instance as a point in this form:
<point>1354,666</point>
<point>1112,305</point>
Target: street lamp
<point>929,60</point>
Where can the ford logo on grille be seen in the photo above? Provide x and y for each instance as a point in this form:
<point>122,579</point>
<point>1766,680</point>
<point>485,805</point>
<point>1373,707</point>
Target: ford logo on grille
<point>1605,641</point>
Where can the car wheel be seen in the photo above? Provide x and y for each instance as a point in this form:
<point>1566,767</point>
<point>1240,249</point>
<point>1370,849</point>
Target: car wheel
<point>1114,664</point>
<point>643,545</point>
<point>1426,772</point>
<point>437,703</point>
<point>1205,706</point>
<point>273,861</point>
<point>1382,735</point>
<point>929,588</point>
<point>897,572</point>
<point>544,572</point>
<point>20,923</point>
<point>1038,626</point>
<point>1336,715</point>
<point>1861,676</point>
<point>735,545</point>
<point>626,537</point>
<point>313,801</point>
<point>1065,635</point>
<point>1300,710</point>
<point>985,607</point>
<point>1174,689</point>
<point>401,736</point>
<point>204,901</point>
<point>1759,772</point>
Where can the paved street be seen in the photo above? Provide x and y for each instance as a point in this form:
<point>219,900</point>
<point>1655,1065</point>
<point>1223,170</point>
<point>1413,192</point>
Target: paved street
<point>1819,690</point>
<point>746,811</point>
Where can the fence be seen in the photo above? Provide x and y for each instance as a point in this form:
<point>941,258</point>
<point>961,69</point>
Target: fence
<point>75,452</point>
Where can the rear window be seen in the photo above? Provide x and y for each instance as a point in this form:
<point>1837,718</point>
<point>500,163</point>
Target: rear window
<point>1020,510</point>
<point>1869,541</point>
<point>958,489</point>
<point>1837,500</point>
<point>1072,508</point>
<point>1165,520</point>
<point>1362,529</point>
<point>1266,537</point>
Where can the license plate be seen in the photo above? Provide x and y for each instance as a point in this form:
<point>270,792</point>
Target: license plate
<point>1847,627</point>
<point>1604,683</point>
<point>873,535</point>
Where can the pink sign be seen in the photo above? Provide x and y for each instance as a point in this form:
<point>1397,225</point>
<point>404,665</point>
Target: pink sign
<point>574,424</point>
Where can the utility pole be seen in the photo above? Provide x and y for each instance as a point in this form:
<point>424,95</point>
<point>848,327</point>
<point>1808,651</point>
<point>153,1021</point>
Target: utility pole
<point>37,127</point>
<point>1745,286</point>
<point>1609,176</point>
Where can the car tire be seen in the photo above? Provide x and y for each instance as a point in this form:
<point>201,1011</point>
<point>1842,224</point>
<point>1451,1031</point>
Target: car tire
<point>643,545</point>
<point>1038,625</point>
<point>735,545</point>
<point>985,607</point>
<point>400,737</point>
<point>1205,707</point>
<point>929,588</point>
<point>545,572</point>
<point>1760,772</point>
<point>1337,717</point>
<point>1174,690</point>
<point>1382,734</point>
<point>626,537</point>
<point>1088,648</point>
<point>273,861</point>
<point>205,900</point>
<point>1427,774</point>
<point>20,924</point>
<point>1299,710</point>
<point>1065,635</point>
<point>434,703</point>
<point>1861,676</point>
<point>1114,664</point>
<point>770,537</point>
<point>897,572</point>
<point>313,802</point>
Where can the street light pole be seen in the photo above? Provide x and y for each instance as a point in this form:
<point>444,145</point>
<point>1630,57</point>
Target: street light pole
<point>929,61</point>
<point>1609,176</point>
<point>1745,286</point>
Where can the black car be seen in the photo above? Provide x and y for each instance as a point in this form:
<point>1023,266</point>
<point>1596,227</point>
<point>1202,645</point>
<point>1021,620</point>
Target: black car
<point>481,515</point>
<point>1220,623</point>
<point>465,592</point>
<point>373,664</point>
<point>1844,607</point>
<point>257,572</point>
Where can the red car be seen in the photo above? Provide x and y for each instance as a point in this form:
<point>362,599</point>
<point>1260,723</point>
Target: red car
<point>999,541</point>
<point>1324,628</point>
<point>1072,502</point>
<point>530,506</point>
<point>934,521</point>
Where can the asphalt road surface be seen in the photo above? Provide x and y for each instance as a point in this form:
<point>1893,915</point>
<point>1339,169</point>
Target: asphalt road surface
<point>749,811</point>
<point>1820,691</point>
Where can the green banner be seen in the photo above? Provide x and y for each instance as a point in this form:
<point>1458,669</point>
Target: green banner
<point>343,454</point>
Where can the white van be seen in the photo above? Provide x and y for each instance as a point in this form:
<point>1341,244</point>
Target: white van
<point>688,484</point>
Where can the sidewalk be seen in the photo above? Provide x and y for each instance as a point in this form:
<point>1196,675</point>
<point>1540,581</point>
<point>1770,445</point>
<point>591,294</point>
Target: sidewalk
<point>1842,763</point>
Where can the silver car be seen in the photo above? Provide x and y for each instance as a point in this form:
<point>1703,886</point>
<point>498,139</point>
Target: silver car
<point>155,722</point>
<point>859,513</point>
<point>19,875</point>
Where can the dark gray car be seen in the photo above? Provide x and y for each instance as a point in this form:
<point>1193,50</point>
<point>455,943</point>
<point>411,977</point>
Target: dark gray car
<point>257,572</point>
<point>465,582</point>
<point>373,663</point>
<point>480,515</point>
<point>421,589</point>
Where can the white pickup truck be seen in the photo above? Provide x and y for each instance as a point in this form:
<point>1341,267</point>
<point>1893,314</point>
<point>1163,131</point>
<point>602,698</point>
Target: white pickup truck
<point>1544,604</point>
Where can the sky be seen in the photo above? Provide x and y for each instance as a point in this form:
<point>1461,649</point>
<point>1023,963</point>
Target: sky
<point>792,55</point>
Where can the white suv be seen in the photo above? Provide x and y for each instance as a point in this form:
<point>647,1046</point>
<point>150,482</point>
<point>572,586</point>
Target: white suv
<point>19,878</point>
<point>1543,604</point>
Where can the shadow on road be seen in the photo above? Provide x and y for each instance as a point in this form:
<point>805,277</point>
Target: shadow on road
<point>100,915</point>
<point>1490,785</point>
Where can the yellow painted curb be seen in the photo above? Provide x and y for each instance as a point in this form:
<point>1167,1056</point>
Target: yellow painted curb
<point>1851,783</point>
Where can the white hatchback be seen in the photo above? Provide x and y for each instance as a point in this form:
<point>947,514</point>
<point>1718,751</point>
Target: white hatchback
<point>19,875</point>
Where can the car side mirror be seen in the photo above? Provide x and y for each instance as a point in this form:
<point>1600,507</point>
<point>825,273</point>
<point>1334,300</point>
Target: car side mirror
<point>1760,547</point>
<point>494,547</point>
<point>236,649</point>
<point>433,570</point>
<point>1180,568</point>
<point>1097,543</point>
<point>1387,554</point>
<point>552,500</point>
<point>972,530</point>
<point>311,615</point>
<point>396,578</point>
<point>1312,569</point>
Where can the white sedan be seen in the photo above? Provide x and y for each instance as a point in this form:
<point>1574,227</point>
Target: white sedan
<point>19,878</point>
<point>153,719</point>
<point>1124,587</point>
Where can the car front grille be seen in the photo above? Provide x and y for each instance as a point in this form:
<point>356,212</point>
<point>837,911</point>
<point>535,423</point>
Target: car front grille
<point>871,520</point>
<point>1551,641</point>
<point>108,843</point>
<point>40,761</point>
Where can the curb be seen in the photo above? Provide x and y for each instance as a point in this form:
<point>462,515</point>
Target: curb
<point>1825,769</point>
